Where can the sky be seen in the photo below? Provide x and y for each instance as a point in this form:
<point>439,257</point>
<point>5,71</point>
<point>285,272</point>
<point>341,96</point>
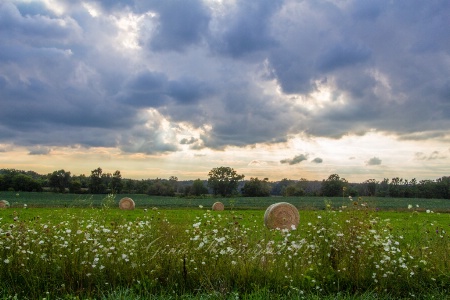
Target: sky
<point>271,88</point>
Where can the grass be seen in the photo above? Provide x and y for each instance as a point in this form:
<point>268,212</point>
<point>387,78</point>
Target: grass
<point>144,201</point>
<point>351,252</point>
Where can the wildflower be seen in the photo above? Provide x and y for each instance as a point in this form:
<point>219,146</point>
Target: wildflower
<point>409,206</point>
<point>200,206</point>
<point>6,261</point>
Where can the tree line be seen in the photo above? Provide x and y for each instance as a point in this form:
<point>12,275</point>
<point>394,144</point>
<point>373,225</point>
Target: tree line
<point>222,181</point>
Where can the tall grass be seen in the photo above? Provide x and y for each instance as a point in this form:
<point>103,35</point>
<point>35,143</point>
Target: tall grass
<point>97,252</point>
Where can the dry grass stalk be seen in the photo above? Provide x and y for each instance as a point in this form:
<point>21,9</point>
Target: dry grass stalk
<point>281,215</point>
<point>218,206</point>
<point>126,203</point>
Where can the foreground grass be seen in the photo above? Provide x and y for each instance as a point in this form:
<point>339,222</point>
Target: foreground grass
<point>348,253</point>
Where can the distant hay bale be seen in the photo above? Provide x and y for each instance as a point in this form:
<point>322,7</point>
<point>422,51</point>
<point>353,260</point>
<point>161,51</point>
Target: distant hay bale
<point>4,204</point>
<point>126,203</point>
<point>218,206</point>
<point>281,215</point>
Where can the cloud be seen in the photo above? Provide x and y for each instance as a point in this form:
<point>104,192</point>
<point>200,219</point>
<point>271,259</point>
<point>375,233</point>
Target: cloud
<point>186,141</point>
<point>235,73</point>
<point>38,150</point>
<point>180,24</point>
<point>246,28</point>
<point>432,156</point>
<point>257,163</point>
<point>374,161</point>
<point>296,160</point>
<point>317,160</point>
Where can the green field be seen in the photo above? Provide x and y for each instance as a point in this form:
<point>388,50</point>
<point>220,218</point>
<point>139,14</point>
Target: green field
<point>145,201</point>
<point>59,246</point>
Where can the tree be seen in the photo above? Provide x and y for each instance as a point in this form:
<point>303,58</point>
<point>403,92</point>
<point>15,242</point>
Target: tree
<point>224,181</point>
<point>59,180</point>
<point>161,187</point>
<point>116,183</point>
<point>279,187</point>
<point>370,187</point>
<point>198,188</point>
<point>75,187</point>
<point>295,188</point>
<point>333,186</point>
<point>256,188</point>
<point>25,183</point>
<point>96,184</point>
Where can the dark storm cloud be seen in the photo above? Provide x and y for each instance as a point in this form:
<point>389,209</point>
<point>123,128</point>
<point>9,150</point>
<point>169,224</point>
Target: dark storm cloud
<point>296,160</point>
<point>340,56</point>
<point>154,89</point>
<point>181,24</point>
<point>240,72</point>
<point>247,28</point>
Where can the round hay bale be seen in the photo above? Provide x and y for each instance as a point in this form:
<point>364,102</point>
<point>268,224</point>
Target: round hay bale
<point>281,215</point>
<point>4,204</point>
<point>126,203</point>
<point>218,206</point>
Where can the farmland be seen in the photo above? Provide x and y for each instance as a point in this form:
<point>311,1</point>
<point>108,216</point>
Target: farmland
<point>144,201</point>
<point>66,246</point>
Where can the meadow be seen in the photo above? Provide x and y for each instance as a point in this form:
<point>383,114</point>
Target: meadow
<point>35,199</point>
<point>172,248</point>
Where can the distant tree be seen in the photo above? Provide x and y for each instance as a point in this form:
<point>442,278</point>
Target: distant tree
<point>334,186</point>
<point>116,183</point>
<point>296,188</point>
<point>161,187</point>
<point>224,181</point>
<point>96,184</point>
<point>107,182</point>
<point>173,181</point>
<point>442,190</point>
<point>59,180</point>
<point>256,188</point>
<point>25,183</point>
<point>142,186</point>
<point>129,185</point>
<point>279,187</point>
<point>75,186</point>
<point>370,187</point>
<point>411,191</point>
<point>3,186</point>
<point>426,189</point>
<point>383,188</point>
<point>198,188</point>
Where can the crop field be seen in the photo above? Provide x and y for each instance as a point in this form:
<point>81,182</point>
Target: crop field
<point>173,248</point>
<point>144,201</point>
